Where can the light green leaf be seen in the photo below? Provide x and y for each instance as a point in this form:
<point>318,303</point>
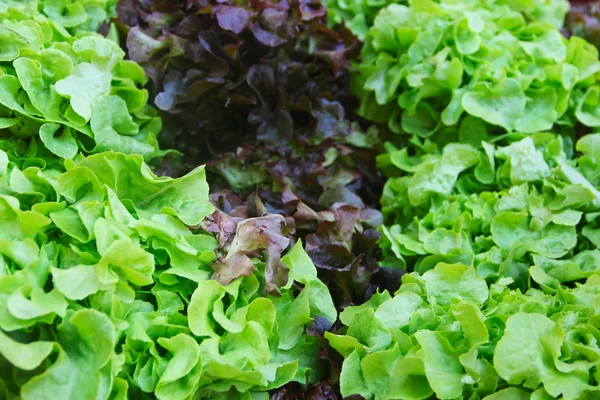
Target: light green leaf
<point>86,83</point>
<point>442,367</point>
<point>63,145</point>
<point>527,354</point>
<point>503,104</point>
<point>26,356</point>
<point>351,377</point>
<point>448,282</point>
<point>182,373</point>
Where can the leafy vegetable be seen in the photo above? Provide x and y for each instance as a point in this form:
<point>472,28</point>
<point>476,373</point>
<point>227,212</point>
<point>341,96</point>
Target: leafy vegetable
<point>76,93</point>
<point>109,278</point>
<point>226,74</point>
<point>452,69</point>
<point>340,241</point>
<point>116,283</point>
<point>359,15</point>
<point>525,211</point>
<point>79,15</point>
<point>582,21</point>
<point>342,170</point>
<point>108,286</point>
<point>495,219</point>
<point>73,15</point>
<point>279,103</point>
<point>266,80</point>
<point>446,334</point>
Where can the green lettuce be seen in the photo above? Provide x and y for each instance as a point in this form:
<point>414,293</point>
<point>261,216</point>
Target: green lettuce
<point>73,93</point>
<point>106,291</point>
<point>526,210</point>
<point>451,69</point>
<point>82,251</point>
<point>358,15</point>
<point>445,333</point>
<point>73,15</point>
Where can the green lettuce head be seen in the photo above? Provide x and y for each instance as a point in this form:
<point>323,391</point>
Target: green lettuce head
<point>455,68</point>
<point>73,15</point>
<point>109,290</point>
<point>447,335</point>
<point>71,94</point>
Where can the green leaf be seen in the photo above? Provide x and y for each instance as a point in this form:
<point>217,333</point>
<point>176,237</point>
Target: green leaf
<point>540,111</point>
<point>377,369</point>
<point>509,394</point>
<point>527,164</point>
<point>447,282</point>
<point>26,356</point>
<point>502,104</point>
<point>437,177</point>
<point>78,282</point>
<point>442,367</point>
<point>396,312</point>
<point>202,305</point>
<point>87,342</point>
<point>528,352</point>
<point>292,326</point>
<point>182,373</point>
<point>351,377</point>
<point>302,269</point>
<point>86,83</point>
<point>370,330</point>
<point>587,108</point>
<point>185,197</point>
<point>63,145</point>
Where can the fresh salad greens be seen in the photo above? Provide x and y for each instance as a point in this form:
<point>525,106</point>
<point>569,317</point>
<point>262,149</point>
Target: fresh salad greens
<point>71,93</point>
<point>116,283</point>
<point>447,335</point>
<point>77,15</point>
<point>491,205</point>
<point>259,90</point>
<point>83,262</point>
<point>358,15</point>
<point>481,66</point>
<point>526,210</point>
<point>104,282</point>
<point>73,15</point>
<point>228,74</point>
<point>110,288</point>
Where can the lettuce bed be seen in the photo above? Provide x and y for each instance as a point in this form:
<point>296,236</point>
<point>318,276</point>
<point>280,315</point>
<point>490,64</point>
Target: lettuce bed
<point>110,288</point>
<point>501,209</point>
<point>106,291</point>
<point>228,75</point>
<point>478,279</point>
<point>359,15</point>
<point>260,92</point>
<point>504,245</point>
<point>478,68</point>
<point>490,206</point>
<point>447,335</point>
